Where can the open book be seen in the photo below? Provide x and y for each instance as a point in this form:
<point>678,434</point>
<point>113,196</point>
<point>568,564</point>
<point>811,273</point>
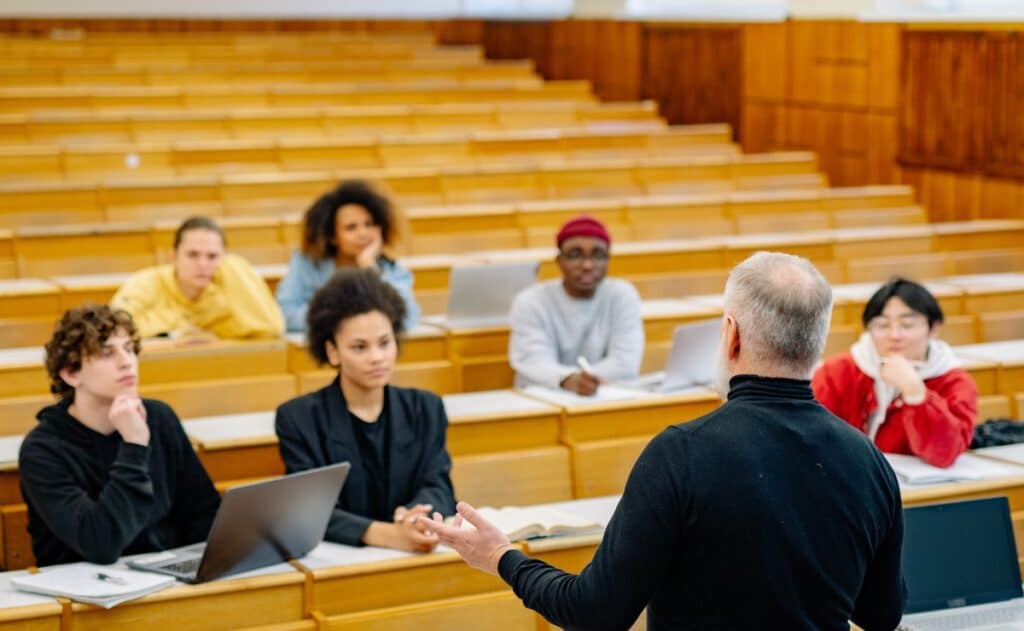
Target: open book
<point>103,585</point>
<point>605,393</point>
<point>913,470</point>
<point>532,522</point>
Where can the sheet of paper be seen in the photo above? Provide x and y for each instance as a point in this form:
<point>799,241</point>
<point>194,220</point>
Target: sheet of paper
<point>605,394</point>
<point>474,403</point>
<point>913,470</point>
<point>9,447</point>
<point>10,597</point>
<point>1010,453</point>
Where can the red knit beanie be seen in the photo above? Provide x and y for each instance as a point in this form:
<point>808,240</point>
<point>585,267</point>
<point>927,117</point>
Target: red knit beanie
<point>583,226</point>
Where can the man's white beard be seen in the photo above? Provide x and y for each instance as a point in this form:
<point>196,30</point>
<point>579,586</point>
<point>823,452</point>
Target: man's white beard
<point>720,381</point>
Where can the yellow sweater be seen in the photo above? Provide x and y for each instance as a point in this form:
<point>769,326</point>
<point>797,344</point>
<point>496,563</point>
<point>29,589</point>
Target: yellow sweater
<point>237,304</point>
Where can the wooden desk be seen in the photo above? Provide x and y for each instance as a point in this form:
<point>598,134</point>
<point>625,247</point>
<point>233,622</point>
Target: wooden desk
<point>505,449</point>
<point>605,438</point>
<point>28,612</point>
<point>480,354</point>
<point>28,309</point>
<point>163,361</point>
<point>98,288</point>
<point>22,372</point>
<point>990,292</point>
<point>347,580</point>
<point>1009,358</point>
<point>273,595</point>
<point>236,447</point>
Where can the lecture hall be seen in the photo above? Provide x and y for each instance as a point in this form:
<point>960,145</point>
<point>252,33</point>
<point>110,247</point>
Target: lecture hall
<point>511,314</point>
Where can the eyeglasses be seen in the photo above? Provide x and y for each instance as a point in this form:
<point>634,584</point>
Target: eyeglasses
<point>575,256</point>
<point>881,326</point>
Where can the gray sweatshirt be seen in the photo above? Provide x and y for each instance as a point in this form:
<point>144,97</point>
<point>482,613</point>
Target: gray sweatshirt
<point>550,330</point>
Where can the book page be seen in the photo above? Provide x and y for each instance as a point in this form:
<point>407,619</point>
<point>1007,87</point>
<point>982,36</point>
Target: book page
<point>604,394</point>
<point>913,470</point>
<point>523,522</point>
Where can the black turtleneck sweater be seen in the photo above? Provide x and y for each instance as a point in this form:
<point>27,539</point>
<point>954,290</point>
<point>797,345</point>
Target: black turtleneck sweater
<point>95,498</point>
<point>768,513</point>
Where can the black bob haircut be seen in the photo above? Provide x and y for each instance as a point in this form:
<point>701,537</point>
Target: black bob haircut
<point>318,224</point>
<point>351,292</point>
<point>914,295</point>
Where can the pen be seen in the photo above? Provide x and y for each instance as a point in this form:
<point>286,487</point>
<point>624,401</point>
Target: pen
<point>113,580</point>
<point>584,365</point>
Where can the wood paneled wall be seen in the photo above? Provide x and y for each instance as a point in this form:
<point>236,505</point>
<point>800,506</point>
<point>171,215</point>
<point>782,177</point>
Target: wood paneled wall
<point>825,86</point>
<point>961,120</point>
<point>694,73</point>
<point>607,53</point>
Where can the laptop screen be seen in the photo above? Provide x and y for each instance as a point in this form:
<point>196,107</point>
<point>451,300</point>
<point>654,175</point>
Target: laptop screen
<point>959,553</point>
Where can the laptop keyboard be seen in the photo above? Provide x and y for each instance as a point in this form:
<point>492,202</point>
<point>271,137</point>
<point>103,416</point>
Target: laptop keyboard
<point>188,566</point>
<point>975,619</point>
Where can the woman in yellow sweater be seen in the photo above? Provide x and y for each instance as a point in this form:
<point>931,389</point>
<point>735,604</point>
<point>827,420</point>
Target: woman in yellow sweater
<point>204,290</point>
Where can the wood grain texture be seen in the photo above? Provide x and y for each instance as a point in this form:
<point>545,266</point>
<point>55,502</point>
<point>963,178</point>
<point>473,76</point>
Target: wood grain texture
<point>942,104</point>
<point>694,72</point>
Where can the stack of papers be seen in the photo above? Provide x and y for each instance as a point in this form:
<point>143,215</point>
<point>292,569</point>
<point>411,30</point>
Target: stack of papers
<point>103,585</point>
<point>913,470</point>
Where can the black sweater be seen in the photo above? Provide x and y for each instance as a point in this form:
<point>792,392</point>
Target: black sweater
<point>316,429</point>
<point>768,513</point>
<point>95,498</point>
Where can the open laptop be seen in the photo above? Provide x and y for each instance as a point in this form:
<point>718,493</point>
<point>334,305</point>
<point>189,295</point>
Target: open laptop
<point>257,525</point>
<point>960,564</point>
<point>482,295</point>
<point>691,361</point>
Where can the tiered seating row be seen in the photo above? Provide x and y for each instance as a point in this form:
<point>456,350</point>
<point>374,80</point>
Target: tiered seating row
<point>660,269</point>
<point>314,122</point>
<point>246,72</point>
<point>280,193</point>
<point>181,158</point>
<point>91,98</point>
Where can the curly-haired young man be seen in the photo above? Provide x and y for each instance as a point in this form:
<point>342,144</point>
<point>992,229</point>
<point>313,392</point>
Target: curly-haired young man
<point>106,473</point>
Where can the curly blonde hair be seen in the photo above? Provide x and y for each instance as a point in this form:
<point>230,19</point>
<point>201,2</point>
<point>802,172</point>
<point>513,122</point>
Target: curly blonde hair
<point>80,333</point>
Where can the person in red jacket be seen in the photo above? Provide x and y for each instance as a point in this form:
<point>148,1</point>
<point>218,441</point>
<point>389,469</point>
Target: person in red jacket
<point>898,383</point>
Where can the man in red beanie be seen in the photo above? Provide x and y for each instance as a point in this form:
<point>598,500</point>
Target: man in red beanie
<point>582,330</point>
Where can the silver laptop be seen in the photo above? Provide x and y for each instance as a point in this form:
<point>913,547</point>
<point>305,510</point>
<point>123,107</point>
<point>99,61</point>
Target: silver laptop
<point>691,360</point>
<point>481,295</point>
<point>960,564</point>
<point>257,525</point>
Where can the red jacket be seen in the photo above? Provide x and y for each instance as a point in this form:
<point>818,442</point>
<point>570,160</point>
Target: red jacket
<point>938,430</point>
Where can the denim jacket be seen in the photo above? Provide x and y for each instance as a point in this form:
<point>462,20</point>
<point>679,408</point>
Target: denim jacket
<point>305,276</point>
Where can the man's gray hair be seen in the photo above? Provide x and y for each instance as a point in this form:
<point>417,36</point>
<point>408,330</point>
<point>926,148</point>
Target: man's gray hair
<point>783,306</point>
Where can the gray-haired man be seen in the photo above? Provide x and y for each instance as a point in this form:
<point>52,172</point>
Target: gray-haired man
<point>767,513</point>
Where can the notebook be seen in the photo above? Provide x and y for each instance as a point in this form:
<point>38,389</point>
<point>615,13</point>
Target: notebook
<point>960,565</point>
<point>102,585</point>
<point>258,524</point>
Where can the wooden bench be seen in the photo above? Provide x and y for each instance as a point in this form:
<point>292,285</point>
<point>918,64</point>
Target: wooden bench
<point>23,100</point>
<point>198,157</point>
<point>318,122</point>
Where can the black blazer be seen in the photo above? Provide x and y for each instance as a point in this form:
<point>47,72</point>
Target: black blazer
<point>315,430</point>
